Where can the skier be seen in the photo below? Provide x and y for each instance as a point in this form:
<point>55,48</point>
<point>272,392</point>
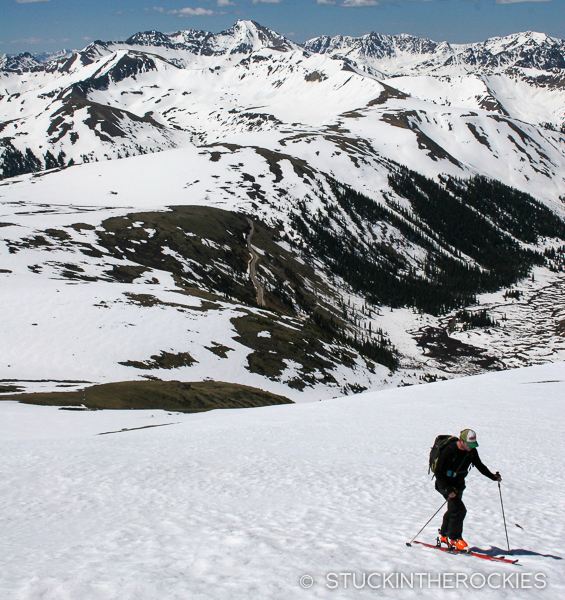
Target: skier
<point>452,468</point>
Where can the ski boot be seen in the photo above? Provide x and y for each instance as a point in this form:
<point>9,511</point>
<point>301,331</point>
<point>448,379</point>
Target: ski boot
<point>441,539</point>
<point>460,545</point>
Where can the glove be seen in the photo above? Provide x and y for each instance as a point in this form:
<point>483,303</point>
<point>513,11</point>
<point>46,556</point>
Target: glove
<point>498,476</point>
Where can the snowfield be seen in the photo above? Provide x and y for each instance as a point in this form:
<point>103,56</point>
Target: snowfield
<point>240,504</point>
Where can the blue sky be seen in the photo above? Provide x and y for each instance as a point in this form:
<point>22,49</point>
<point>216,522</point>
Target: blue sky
<point>49,25</point>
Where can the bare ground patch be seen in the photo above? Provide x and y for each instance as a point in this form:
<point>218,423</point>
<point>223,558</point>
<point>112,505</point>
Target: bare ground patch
<point>165,395</point>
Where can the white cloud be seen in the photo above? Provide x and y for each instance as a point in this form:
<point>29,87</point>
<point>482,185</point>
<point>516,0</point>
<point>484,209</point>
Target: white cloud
<point>266,1</point>
<point>358,3</point>
<point>516,1</point>
<point>158,9</point>
<point>31,40</point>
<point>191,12</point>
<point>325,1</point>
<point>225,3</point>
<point>361,2</point>
<point>30,1</point>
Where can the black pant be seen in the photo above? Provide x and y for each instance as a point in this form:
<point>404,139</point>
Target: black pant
<point>452,525</point>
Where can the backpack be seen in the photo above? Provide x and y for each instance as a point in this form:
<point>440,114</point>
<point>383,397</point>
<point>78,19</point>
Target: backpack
<point>440,443</point>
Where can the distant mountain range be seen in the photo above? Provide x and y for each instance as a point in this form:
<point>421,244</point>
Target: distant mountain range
<point>157,91</point>
<point>388,54</point>
<point>395,55</point>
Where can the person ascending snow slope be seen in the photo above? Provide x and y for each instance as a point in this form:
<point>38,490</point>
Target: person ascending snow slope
<point>452,467</point>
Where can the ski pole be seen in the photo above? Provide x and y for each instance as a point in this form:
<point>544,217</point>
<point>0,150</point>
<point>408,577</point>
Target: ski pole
<point>504,518</point>
<point>419,532</point>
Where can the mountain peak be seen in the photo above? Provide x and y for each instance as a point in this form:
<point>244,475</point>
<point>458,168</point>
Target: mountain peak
<point>253,36</point>
<point>242,37</point>
<point>536,36</point>
<point>153,37</point>
<point>20,63</point>
<point>247,24</point>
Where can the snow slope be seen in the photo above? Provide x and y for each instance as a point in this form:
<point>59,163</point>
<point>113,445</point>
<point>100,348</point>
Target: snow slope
<point>241,504</point>
<point>62,311</point>
<point>64,333</point>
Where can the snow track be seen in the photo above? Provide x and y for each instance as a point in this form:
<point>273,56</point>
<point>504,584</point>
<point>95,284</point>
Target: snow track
<point>254,257</point>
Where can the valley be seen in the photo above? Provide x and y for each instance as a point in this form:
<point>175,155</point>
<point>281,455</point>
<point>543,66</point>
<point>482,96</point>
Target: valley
<point>312,221</point>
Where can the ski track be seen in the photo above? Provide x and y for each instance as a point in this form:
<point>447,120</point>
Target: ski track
<point>241,503</point>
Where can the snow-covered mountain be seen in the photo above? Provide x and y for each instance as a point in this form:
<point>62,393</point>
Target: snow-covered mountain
<point>26,62</point>
<point>408,55</point>
<point>243,38</point>
<point>249,85</point>
<point>378,208</point>
<point>502,74</point>
<point>20,63</point>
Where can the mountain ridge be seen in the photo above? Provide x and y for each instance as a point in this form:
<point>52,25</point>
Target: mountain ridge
<point>524,50</point>
<point>545,52</point>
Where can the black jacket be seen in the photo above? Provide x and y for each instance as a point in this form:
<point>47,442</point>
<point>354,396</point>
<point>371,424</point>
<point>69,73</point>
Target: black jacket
<point>453,465</point>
